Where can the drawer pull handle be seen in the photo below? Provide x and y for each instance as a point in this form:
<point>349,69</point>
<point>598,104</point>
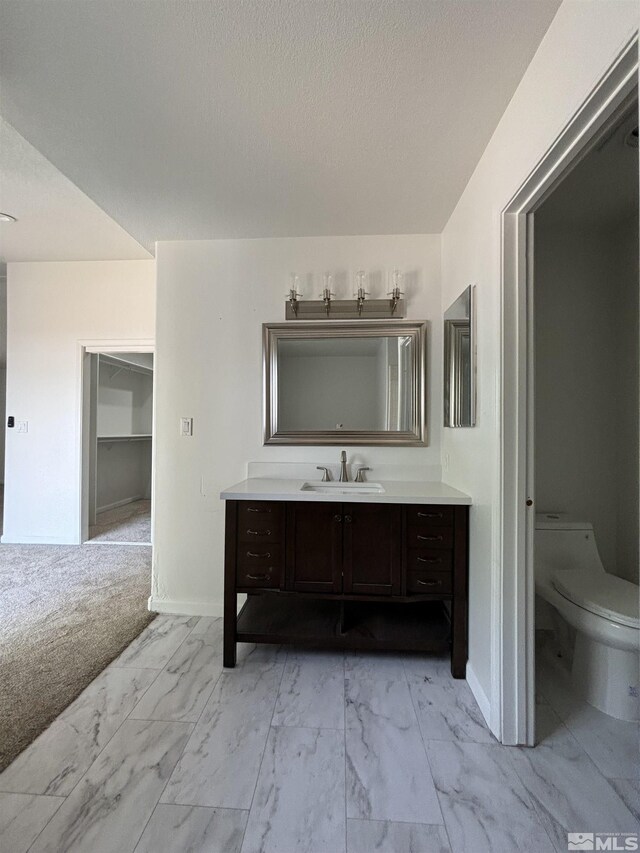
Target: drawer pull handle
<point>259,532</point>
<point>252,554</point>
<point>429,583</point>
<point>429,559</point>
<point>430,538</point>
<point>429,515</point>
<point>258,577</point>
<point>257,509</point>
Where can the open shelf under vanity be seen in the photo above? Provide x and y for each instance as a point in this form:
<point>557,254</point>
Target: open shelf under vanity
<point>344,624</point>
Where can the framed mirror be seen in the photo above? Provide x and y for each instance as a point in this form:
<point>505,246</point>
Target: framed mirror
<point>344,383</point>
<point>460,362</point>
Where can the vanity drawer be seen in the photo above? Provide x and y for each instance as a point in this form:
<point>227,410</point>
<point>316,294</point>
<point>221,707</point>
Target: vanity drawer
<point>429,582</point>
<point>259,566</point>
<point>429,560</point>
<point>260,521</point>
<point>430,537</point>
<point>430,516</point>
<point>268,578</point>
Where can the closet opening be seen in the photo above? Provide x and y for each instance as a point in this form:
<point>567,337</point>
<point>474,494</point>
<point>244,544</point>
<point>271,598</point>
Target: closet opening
<point>117,447</point>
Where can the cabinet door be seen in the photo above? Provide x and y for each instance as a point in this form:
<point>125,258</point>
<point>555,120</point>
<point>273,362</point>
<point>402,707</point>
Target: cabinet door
<point>314,547</point>
<point>372,556</point>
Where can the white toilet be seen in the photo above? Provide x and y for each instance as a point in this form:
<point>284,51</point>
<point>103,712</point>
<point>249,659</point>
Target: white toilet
<point>602,608</point>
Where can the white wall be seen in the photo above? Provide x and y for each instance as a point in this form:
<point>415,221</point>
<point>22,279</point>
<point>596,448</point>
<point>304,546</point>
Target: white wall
<point>581,43</point>
<point>123,473</point>
<point>3,368</point>
<point>625,268</point>
<point>51,307</point>
<point>125,401</point>
<point>586,381</point>
<point>213,297</point>
<point>3,400</point>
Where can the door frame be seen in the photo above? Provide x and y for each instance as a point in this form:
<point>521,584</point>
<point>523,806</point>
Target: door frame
<point>88,347</point>
<point>514,652</point>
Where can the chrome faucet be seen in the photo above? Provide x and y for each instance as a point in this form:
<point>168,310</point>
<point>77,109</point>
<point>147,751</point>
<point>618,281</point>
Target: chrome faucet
<point>344,474</point>
<point>326,476</point>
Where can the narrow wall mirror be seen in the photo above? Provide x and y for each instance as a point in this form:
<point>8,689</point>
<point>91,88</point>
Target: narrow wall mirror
<point>459,362</point>
<point>345,383</point>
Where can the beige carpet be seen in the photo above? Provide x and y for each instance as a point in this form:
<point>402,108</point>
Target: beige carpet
<point>128,523</point>
<point>65,613</point>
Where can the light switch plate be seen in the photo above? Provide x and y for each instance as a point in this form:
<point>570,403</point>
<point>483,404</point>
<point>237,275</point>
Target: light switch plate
<point>22,426</point>
<point>186,426</point>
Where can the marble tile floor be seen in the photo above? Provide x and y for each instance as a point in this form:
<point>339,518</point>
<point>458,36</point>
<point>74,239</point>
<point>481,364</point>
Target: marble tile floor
<point>303,751</point>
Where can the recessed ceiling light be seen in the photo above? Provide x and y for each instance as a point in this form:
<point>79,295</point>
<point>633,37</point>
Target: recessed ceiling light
<point>7,217</point>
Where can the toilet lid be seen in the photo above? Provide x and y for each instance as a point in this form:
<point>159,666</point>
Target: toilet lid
<point>606,595</point>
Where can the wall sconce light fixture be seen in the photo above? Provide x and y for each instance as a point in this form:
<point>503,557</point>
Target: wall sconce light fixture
<point>345,309</point>
<point>360,294</point>
<point>395,293</point>
<point>326,294</point>
<point>294,296</point>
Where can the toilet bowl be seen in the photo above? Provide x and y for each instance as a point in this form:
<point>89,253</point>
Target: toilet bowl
<point>602,608</point>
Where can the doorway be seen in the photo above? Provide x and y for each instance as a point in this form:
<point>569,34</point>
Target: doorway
<point>117,446</point>
<point>514,651</point>
<point>585,436</point>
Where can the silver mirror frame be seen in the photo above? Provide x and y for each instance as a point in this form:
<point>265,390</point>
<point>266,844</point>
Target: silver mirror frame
<point>457,332</point>
<point>274,332</point>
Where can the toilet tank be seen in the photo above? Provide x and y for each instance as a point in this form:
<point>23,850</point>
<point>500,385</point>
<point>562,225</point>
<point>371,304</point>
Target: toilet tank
<point>562,542</point>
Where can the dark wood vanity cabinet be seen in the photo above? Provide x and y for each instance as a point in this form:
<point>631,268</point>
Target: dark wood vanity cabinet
<point>313,559</point>
<point>363,575</point>
<point>343,548</point>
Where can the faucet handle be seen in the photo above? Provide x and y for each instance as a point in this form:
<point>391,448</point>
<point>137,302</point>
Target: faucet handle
<point>326,476</point>
<point>360,474</point>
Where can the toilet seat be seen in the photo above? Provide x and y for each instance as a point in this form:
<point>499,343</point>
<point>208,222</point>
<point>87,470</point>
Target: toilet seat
<point>605,595</point>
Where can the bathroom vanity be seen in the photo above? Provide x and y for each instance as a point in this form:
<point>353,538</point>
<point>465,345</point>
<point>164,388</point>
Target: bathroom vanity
<point>353,565</point>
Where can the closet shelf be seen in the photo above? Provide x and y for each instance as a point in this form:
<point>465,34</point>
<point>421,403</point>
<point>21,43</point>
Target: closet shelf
<point>137,437</point>
<point>124,364</point>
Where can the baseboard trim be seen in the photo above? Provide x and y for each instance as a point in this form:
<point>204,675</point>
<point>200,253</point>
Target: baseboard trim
<point>186,608</point>
<point>479,695</point>
<point>116,504</point>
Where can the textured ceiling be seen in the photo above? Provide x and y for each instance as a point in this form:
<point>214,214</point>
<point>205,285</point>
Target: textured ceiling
<point>56,221</point>
<point>241,118</point>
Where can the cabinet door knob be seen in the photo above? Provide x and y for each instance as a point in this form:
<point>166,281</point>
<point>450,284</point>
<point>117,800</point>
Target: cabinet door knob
<point>347,518</point>
<point>337,518</point>
<point>259,532</point>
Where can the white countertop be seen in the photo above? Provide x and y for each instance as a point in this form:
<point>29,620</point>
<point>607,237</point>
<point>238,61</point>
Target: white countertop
<point>395,492</point>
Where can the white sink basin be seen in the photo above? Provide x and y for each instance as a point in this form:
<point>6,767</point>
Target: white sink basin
<point>343,488</point>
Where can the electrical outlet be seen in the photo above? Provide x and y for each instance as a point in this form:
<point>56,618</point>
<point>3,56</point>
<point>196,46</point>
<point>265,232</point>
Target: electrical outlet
<point>186,427</point>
